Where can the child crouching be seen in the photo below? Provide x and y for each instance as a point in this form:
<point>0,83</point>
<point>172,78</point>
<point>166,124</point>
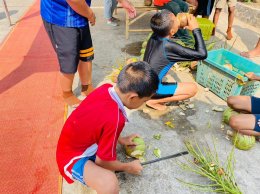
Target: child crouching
<point>86,149</point>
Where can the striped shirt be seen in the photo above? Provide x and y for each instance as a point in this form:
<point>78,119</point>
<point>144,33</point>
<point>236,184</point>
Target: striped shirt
<point>59,12</point>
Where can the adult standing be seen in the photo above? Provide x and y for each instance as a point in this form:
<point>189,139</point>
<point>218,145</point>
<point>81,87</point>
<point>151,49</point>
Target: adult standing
<point>67,24</point>
<point>220,4</point>
<point>109,8</point>
<point>205,8</point>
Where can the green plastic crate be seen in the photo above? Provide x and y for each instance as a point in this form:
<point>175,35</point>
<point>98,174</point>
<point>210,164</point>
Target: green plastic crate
<point>224,82</point>
<point>252,88</point>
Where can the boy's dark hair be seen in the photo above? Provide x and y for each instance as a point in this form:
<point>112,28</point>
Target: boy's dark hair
<point>138,77</point>
<point>161,23</point>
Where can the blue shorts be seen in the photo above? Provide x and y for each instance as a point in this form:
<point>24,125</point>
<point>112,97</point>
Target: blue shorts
<point>165,89</point>
<point>78,168</point>
<point>255,106</point>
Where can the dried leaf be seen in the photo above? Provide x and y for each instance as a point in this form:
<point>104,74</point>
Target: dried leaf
<point>169,124</point>
<point>157,152</point>
<point>157,136</point>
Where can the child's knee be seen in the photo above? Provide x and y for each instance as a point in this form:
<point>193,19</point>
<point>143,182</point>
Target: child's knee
<point>234,122</point>
<point>231,101</point>
<point>193,89</point>
<point>111,183</point>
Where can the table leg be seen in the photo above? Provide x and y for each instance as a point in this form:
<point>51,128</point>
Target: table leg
<point>126,25</point>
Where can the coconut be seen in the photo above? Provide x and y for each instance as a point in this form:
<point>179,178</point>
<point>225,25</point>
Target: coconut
<point>137,151</point>
<point>183,19</point>
<point>227,114</point>
<point>228,66</point>
<point>243,142</point>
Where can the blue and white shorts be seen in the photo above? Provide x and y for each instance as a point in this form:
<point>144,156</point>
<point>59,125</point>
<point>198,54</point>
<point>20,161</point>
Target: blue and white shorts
<point>78,168</point>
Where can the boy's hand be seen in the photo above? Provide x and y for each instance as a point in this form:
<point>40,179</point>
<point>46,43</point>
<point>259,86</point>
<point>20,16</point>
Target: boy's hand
<point>192,23</point>
<point>128,140</point>
<point>92,18</point>
<point>134,167</point>
<point>251,76</point>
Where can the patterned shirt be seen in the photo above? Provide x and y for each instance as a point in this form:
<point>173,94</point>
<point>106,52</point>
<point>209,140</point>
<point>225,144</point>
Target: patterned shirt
<point>59,12</point>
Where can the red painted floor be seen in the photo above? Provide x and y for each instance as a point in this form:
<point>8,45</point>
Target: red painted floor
<point>31,109</point>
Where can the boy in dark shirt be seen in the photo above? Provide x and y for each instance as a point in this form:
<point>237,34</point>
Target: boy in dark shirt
<point>162,53</point>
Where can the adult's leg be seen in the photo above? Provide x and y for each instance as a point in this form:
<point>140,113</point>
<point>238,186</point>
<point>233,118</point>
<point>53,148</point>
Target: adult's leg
<point>108,9</point>
<point>215,19</point>
<point>184,91</point>
<point>252,53</point>
<point>240,103</point>
<point>85,74</point>
<point>65,43</point>
<point>86,55</point>
<point>244,123</point>
<point>66,81</point>
<point>102,180</point>
<point>231,15</point>
<point>114,5</point>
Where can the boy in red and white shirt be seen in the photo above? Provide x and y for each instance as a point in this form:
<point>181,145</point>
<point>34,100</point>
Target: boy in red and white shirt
<point>86,149</point>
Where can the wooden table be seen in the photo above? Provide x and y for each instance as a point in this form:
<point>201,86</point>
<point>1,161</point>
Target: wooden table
<point>139,6</point>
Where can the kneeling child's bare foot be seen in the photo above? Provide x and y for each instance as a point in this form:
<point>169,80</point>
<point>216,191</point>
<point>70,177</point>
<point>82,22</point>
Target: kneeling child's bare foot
<point>156,106</point>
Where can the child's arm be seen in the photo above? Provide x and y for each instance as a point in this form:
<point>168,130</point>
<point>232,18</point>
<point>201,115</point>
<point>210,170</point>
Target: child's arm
<point>133,167</point>
<point>252,76</point>
<point>176,52</point>
<point>82,8</point>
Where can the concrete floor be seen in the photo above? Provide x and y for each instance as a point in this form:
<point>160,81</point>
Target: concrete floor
<point>110,47</point>
<point>16,10</point>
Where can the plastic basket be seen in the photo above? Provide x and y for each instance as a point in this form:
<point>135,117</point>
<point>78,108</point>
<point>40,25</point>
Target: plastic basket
<point>224,82</point>
<point>252,88</point>
<point>206,27</point>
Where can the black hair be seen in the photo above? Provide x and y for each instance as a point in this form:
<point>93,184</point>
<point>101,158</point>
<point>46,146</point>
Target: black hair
<point>161,23</point>
<point>138,77</point>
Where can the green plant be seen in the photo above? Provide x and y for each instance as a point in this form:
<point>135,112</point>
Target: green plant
<point>206,163</point>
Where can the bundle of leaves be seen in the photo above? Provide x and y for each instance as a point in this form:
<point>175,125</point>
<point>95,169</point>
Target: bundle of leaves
<point>206,163</point>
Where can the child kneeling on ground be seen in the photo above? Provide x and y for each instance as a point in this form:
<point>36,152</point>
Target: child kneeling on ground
<point>248,122</point>
<point>162,53</point>
<point>86,149</point>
